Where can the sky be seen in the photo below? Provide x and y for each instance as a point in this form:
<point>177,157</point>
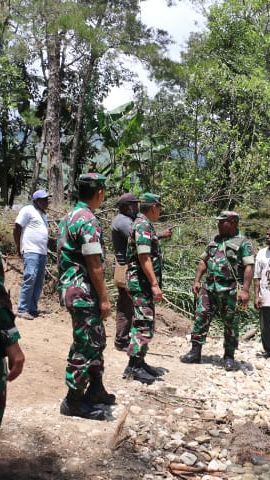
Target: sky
<point>179,21</point>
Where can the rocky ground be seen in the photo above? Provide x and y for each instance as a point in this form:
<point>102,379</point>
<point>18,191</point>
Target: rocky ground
<point>198,422</point>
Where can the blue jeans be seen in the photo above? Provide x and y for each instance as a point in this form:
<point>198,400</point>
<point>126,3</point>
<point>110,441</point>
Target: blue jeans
<point>33,277</point>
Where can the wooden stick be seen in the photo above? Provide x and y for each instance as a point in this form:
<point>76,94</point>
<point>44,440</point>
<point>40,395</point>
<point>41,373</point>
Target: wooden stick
<point>175,306</point>
<point>248,335</point>
<point>113,441</point>
<point>160,354</point>
<point>51,275</point>
<point>182,467</point>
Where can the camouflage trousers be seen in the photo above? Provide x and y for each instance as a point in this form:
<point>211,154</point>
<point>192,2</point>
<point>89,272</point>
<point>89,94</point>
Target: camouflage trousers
<point>86,352</point>
<point>143,323</point>
<point>209,304</point>
<point>3,386</point>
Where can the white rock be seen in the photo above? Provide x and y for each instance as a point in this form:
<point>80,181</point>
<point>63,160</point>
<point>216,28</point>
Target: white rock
<point>159,461</point>
<point>202,439</point>
<point>192,444</point>
<point>209,477</point>
<point>217,466</point>
<point>188,458</point>
<point>136,410</point>
<point>178,411</point>
<point>223,453</point>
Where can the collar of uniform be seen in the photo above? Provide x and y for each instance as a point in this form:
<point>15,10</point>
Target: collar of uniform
<point>141,215</point>
<point>82,204</point>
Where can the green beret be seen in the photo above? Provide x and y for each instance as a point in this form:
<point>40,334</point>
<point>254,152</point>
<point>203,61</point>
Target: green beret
<point>93,179</point>
<point>150,198</point>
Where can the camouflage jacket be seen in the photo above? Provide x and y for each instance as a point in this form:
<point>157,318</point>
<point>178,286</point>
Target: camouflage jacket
<point>80,235</point>
<point>9,333</point>
<point>142,239</point>
<point>226,259</point>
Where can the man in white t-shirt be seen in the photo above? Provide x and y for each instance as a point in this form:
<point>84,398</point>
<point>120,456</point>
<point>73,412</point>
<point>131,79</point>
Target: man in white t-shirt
<point>262,292</point>
<point>31,239</point>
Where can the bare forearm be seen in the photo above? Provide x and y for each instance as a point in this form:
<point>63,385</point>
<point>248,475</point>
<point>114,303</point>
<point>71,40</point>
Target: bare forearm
<point>248,276</point>
<point>147,267</point>
<point>17,236</point>
<point>201,269</point>
<point>96,274</point>
<point>256,287</point>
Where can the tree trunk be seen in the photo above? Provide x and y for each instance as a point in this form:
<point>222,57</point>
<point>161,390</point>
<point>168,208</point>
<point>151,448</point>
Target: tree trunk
<point>4,159</point>
<point>39,153</point>
<point>78,125</point>
<point>55,173</point>
<point>80,112</point>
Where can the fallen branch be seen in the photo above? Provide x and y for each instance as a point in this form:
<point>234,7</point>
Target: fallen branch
<point>183,468</point>
<point>51,275</point>
<point>250,334</point>
<point>160,354</point>
<point>185,312</point>
<point>114,440</point>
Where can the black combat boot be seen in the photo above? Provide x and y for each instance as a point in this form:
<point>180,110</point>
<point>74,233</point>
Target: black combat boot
<point>74,405</point>
<point>194,356</point>
<point>154,371</point>
<point>135,371</point>
<point>228,361</point>
<point>96,392</point>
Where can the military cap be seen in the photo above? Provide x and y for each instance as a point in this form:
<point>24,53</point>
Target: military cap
<point>127,198</point>
<point>93,179</point>
<point>228,215</point>
<point>150,198</point>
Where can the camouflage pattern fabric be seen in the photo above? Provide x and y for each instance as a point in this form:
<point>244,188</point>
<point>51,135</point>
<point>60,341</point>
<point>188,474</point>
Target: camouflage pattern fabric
<point>143,239</point>
<point>3,387</point>
<point>85,355</point>
<point>143,325</point>
<point>210,303</point>
<point>225,259</point>
<point>80,235</point>
<point>9,335</point>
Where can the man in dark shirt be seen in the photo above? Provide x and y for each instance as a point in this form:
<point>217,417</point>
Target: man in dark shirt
<point>128,210</point>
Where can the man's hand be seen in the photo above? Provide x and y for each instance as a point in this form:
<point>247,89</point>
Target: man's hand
<point>15,361</point>
<point>105,308</point>
<point>258,303</point>
<point>243,297</point>
<point>166,233</point>
<point>196,287</point>
<point>157,293</point>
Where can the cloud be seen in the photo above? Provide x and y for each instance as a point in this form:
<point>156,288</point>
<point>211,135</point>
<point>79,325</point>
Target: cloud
<point>179,21</point>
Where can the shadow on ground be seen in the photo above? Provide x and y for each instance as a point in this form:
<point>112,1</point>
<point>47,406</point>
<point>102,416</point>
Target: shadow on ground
<point>30,456</point>
<point>42,467</point>
<point>218,362</point>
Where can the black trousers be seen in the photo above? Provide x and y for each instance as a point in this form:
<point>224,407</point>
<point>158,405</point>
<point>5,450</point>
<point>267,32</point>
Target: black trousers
<point>124,314</point>
<point>265,327</point>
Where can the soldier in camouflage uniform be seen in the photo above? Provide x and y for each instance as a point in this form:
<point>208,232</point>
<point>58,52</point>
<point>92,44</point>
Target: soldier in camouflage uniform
<point>83,292</point>
<point>228,262</point>
<point>9,346</point>
<point>144,286</point>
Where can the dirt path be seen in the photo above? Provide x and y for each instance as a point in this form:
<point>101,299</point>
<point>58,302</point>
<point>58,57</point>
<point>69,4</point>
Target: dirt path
<point>196,409</point>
